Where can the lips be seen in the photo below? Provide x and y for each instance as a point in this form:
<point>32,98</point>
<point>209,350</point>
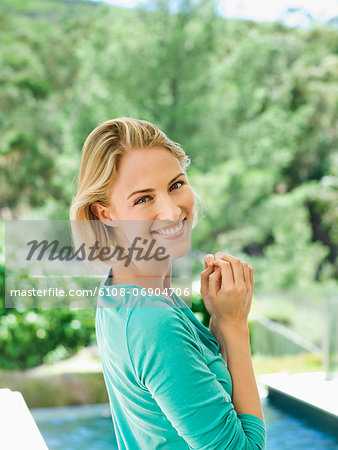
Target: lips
<point>169,227</point>
<point>170,231</point>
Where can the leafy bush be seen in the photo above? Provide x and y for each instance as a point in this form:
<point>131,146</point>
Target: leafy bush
<point>33,336</point>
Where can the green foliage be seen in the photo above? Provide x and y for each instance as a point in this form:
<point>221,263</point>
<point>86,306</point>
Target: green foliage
<point>254,106</point>
<point>34,336</point>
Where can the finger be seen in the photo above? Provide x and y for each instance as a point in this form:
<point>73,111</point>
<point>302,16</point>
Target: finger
<point>205,280</point>
<point>205,274</point>
<point>236,267</point>
<point>246,274</point>
<point>227,277</point>
<point>220,255</point>
<point>209,258</point>
<point>214,282</point>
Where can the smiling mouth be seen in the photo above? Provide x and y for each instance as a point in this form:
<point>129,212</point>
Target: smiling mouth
<point>172,231</point>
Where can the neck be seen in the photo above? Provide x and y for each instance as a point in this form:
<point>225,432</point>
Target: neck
<point>149,275</point>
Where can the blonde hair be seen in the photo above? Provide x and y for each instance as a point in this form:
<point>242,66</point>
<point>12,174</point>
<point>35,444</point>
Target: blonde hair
<point>101,153</point>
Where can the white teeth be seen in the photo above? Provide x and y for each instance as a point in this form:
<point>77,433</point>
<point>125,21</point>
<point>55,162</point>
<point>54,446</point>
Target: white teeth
<point>171,230</point>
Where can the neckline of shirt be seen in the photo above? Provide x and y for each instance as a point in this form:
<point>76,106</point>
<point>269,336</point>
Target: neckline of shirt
<point>176,298</point>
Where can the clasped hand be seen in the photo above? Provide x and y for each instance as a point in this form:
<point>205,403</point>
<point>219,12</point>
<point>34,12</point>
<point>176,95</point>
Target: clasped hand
<point>227,286</point>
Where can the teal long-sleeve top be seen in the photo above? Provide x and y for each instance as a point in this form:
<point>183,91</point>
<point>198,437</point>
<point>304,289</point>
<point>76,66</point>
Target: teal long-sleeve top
<point>168,385</point>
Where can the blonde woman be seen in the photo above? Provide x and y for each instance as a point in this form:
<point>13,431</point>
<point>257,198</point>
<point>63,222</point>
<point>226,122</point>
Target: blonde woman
<point>172,384</point>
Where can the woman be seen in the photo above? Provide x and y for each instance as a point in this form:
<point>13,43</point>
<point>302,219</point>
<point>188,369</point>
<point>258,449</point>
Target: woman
<point>168,384</point>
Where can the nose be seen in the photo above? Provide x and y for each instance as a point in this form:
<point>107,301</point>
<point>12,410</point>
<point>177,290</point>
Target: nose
<point>167,209</point>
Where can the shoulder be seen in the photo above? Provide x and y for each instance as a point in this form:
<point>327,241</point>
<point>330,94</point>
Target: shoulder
<point>136,306</point>
<point>154,311</point>
<point>158,326</point>
<point>158,338</point>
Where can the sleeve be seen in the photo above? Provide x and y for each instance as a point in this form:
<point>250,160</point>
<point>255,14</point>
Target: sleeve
<point>168,360</point>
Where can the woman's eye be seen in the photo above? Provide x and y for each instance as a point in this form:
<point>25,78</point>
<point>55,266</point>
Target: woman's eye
<point>177,182</point>
<point>140,200</point>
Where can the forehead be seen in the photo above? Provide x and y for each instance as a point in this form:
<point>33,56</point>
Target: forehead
<point>139,167</point>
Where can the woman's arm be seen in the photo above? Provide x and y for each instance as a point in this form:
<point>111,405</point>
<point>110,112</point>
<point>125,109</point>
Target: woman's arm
<point>213,327</point>
<point>239,364</point>
<point>216,332</point>
<point>226,287</point>
<point>245,396</point>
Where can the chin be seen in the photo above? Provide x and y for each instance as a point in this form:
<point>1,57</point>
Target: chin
<point>180,246</point>
<point>183,250</point>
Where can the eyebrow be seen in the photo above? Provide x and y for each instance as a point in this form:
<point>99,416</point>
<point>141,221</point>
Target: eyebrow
<point>151,190</point>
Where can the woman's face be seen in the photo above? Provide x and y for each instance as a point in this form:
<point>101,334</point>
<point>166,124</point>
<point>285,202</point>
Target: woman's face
<point>151,193</point>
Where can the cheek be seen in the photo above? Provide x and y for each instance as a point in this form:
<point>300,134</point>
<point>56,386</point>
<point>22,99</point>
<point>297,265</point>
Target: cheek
<point>190,200</point>
<point>131,229</point>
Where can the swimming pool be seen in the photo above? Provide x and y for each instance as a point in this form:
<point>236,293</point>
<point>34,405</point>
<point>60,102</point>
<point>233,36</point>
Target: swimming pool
<point>90,427</point>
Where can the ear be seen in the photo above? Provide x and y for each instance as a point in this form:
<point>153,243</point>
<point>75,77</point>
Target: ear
<point>101,212</point>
